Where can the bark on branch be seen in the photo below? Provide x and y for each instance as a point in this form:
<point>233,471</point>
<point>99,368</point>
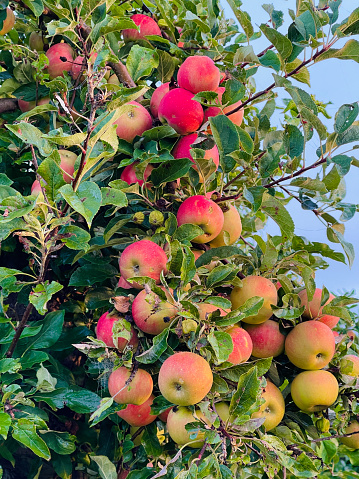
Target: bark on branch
<point>8,104</point>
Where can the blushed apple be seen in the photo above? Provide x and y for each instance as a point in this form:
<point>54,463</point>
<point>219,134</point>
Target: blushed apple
<point>138,415</point>
<point>314,391</point>
<point>129,173</point>
<point>313,308</point>
<point>349,365</point>
<point>124,391</point>
<point>176,426</point>
<point>235,118</point>
<point>157,96</point>
<point>107,325</point>
<point>9,21</point>
<point>29,105</point>
<point>133,122</point>
<point>273,408</point>
<point>147,26</point>
<point>67,164</point>
<point>242,345</point>
<point>205,309</point>
<point>198,73</point>
<point>60,58</point>
<point>267,340</point>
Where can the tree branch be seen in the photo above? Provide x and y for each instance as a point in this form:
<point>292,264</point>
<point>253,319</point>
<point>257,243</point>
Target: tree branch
<point>19,330</point>
<point>8,104</point>
<point>122,74</point>
<point>297,173</point>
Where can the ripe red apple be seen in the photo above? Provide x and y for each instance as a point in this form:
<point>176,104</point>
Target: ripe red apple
<point>67,164</point>
<point>36,188</point>
<point>164,415</point>
<point>185,378</point>
<point>198,73</point>
<point>242,345</point>
<point>351,441</point>
<point>134,122</point>
<point>147,25</point>
<point>151,314</point>
<point>232,224</point>
<point>255,286</point>
<point>181,112</point>
<point>156,98</point>
<point>310,345</point>
<point>36,42</point>
<point>9,22</point>
<point>236,117</point>
<point>138,415</point>
<point>143,258</point>
<point>129,174</point>
<point>122,283</point>
<point>136,392</point>
<point>183,147</point>
<point>176,426</point>
<point>201,211</point>
<point>106,325</point>
<point>267,340</point>
<point>77,65</point>
<point>313,309</point>
<point>29,105</point>
<point>314,391</point>
<point>60,58</point>
<point>205,309</point>
<point>273,408</point>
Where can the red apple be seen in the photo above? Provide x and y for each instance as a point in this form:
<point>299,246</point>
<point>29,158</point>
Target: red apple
<point>36,188</point>
<point>134,122</point>
<point>124,391</point>
<point>242,345</point>
<point>273,408</point>
<point>67,164</point>
<point>77,65</point>
<point>157,96</point>
<point>9,22</point>
<point>236,117</point>
<point>205,309</point>
<point>29,105</point>
<point>313,309</point>
<point>183,149</point>
<point>147,27</point>
<point>164,414</point>
<point>60,58</point>
<point>198,73</point>
<point>267,340</point>
<point>105,328</point>
<point>129,174</point>
<point>138,415</point>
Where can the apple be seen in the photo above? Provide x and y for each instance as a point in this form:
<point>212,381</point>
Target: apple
<point>232,224</point>
<point>107,324</point>
<point>67,164</point>
<point>273,408</point>
<point>151,314</point>
<point>123,474</point>
<point>201,211</point>
<point>222,409</point>
<point>134,122</point>
<point>60,58</point>
<point>313,309</point>
<point>36,41</point>
<point>136,391</point>
<point>182,113</point>
<point>122,283</point>
<point>267,340</point>
<point>185,378</point>
<point>349,365</point>
<point>147,26</point>
<point>138,415</point>
<point>129,174</point>
<point>235,118</point>
<point>164,414</point>
<point>77,65</point>
<point>351,441</point>
<point>183,148</point>
<point>29,105</point>
<point>157,96</point>
<point>198,73</point>
<point>205,309</point>
<point>310,345</point>
<point>242,345</point>
<point>142,258</point>
<point>36,188</point>
<point>9,22</point>
<point>255,286</point>
<point>176,426</point>
<point>313,391</point>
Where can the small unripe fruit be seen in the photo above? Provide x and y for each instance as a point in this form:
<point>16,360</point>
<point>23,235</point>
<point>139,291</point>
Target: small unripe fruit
<point>9,22</point>
<point>156,218</point>
<point>138,217</point>
<point>322,424</point>
<point>147,27</point>
<point>189,325</point>
<point>198,73</point>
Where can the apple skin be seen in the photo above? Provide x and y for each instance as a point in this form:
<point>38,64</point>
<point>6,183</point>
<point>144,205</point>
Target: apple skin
<point>142,258</point>
<point>151,314</point>
<point>122,283</point>
<point>198,73</point>
<point>134,122</point>
<point>157,96</point>
<point>351,441</point>
<point>314,310</point>
<point>36,42</point>
<point>232,224</point>
<point>201,211</point>
<point>29,105</point>
<point>242,345</point>
<point>255,286</point>
<point>182,113</point>
<point>77,65</point>
<point>267,340</point>
<point>313,391</point>
<point>147,27</point>
<point>57,67</point>
<point>9,22</point>
<point>310,345</point>
<point>273,408</point>
<point>138,415</point>
<point>183,147</point>
<point>222,409</point>
<point>164,415</point>
<point>123,474</point>
<point>36,188</point>
<point>67,164</point>
<point>235,118</point>
<point>176,426</point>
<point>185,378</point>
<point>205,309</point>
<point>351,369</point>
<point>129,174</point>
<point>104,332</point>
<point>136,392</point>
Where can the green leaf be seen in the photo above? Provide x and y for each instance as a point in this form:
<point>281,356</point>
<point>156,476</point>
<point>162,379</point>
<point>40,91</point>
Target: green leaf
<point>275,209</point>
<point>89,274</point>
<point>9,272</point>
<point>309,184</point>
<point>222,345</point>
<point>50,171</point>
<point>234,92</point>
<point>170,171</point>
<point>45,382</point>
<point>225,133</point>
<point>349,135</point>
<point>24,431</point>
<point>350,51</point>
<point>246,142</point>
<point>254,195</point>
<point>66,140</point>
<point>313,119</point>
<point>62,465</point>
<point>187,232</point>
<point>113,196</point>
<point>5,423</point>
<point>60,442</point>
<point>50,331</point>
<point>219,273</point>
<point>271,60</point>
<point>75,237</point>
<point>246,399</point>
<point>281,43</point>
<point>166,66</point>
<point>223,252</point>
<point>243,17</point>
<point>31,135</point>
<point>42,293</point>
<point>345,117</point>
<point>293,141</point>
<point>158,347</point>
<point>141,61</point>
<point>86,200</point>
<point>106,468</point>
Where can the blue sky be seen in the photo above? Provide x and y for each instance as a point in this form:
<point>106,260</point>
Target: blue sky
<point>335,81</point>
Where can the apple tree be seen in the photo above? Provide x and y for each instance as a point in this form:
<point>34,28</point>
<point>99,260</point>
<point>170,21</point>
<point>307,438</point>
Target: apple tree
<point>148,328</point>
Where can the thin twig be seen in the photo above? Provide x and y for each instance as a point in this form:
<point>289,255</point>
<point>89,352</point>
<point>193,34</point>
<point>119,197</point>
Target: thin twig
<point>19,330</point>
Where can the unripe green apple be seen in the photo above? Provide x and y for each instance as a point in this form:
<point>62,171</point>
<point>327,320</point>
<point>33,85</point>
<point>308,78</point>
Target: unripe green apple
<point>273,408</point>
<point>314,391</point>
<point>177,419</point>
<point>351,441</point>
<point>36,42</point>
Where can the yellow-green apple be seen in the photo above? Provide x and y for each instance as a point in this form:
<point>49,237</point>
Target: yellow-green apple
<point>310,345</point>
<point>267,340</point>
<point>205,309</point>
<point>138,415</point>
<point>106,328</point>
<point>142,258</point>
<point>77,65</point>
<point>60,58</point>
<point>314,391</point>
<point>313,309</point>
<point>232,224</point>
<point>205,213</point>
<point>185,378</point>
<point>255,286</point>
<point>176,426</point>
<point>156,98</point>
<point>147,26</point>
<point>222,409</point>
<point>9,22</point>
<point>151,314</point>
<point>349,365</point>
<point>182,113</point>
<point>125,391</point>
<point>67,164</point>
<point>129,174</point>
<point>36,42</point>
<point>242,345</point>
<point>198,73</point>
<point>236,117</point>
<point>351,441</point>
<point>133,122</point>
<point>273,408</point>
<point>29,105</point>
